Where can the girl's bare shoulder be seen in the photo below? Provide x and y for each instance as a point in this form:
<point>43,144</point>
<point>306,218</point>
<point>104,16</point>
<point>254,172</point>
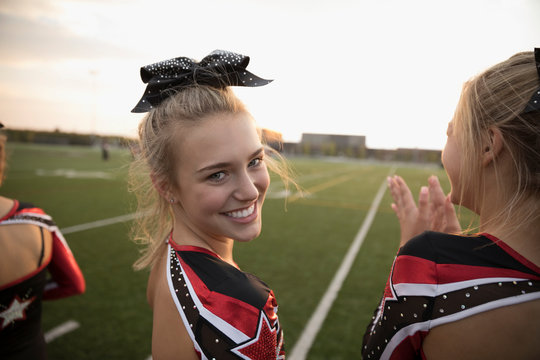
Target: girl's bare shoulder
<point>509,332</point>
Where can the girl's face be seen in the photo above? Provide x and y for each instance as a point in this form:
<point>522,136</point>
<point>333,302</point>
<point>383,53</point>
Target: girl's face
<point>451,159</point>
<point>221,178</point>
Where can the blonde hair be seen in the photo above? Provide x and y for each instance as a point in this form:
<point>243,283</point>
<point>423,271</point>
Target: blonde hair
<point>496,98</point>
<point>155,160</point>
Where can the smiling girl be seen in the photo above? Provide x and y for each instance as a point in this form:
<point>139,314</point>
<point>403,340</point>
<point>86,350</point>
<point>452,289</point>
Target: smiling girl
<point>201,173</point>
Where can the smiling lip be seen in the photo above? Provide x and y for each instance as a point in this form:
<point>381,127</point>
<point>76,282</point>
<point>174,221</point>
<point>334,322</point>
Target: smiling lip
<point>243,215</point>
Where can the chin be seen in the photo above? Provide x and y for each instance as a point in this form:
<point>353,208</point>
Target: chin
<point>453,198</point>
<point>244,239</point>
<point>248,236</point>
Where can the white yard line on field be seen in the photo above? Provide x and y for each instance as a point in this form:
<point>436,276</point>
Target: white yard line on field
<point>100,223</point>
<point>302,346</point>
<point>60,330</point>
<point>319,187</point>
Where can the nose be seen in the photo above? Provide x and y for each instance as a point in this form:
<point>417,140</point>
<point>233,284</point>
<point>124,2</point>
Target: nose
<point>246,188</point>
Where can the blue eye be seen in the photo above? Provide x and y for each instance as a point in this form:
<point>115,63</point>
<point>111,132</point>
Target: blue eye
<point>217,177</point>
<point>254,162</point>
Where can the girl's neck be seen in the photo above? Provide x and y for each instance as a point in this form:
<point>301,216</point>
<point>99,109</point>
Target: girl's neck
<point>512,225</point>
<point>523,238</point>
<point>182,235</point>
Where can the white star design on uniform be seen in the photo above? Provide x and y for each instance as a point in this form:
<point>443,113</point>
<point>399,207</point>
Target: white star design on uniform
<point>15,311</point>
<point>263,340</point>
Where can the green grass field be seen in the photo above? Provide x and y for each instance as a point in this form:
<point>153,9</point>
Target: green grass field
<point>298,253</point>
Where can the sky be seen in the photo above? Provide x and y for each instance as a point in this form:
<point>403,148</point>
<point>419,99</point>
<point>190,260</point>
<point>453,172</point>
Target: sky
<point>390,70</point>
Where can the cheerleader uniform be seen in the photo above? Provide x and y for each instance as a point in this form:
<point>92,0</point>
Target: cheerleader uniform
<point>439,278</point>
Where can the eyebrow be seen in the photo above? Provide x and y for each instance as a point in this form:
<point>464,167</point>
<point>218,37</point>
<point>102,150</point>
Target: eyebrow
<point>226,164</point>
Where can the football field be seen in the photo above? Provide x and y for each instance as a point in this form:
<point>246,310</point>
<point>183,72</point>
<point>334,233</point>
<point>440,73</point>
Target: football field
<point>302,247</point>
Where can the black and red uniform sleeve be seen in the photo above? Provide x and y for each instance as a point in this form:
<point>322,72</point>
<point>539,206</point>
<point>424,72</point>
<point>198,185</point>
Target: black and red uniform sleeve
<point>66,276</point>
<point>440,278</point>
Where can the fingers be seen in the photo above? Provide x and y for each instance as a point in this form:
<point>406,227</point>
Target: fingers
<point>453,225</point>
<point>395,193</point>
<point>405,208</point>
<point>437,203</point>
<point>401,193</point>
<point>424,213</point>
<point>392,188</point>
<point>395,190</point>
<point>396,210</point>
<point>438,220</point>
<point>434,212</point>
<point>444,218</point>
<point>436,194</point>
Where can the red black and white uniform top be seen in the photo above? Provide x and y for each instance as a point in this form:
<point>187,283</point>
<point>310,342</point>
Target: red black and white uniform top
<point>440,278</point>
<point>229,314</point>
<point>20,301</point>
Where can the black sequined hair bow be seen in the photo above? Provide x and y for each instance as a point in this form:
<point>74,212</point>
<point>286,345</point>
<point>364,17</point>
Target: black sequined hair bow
<point>534,102</point>
<point>219,69</point>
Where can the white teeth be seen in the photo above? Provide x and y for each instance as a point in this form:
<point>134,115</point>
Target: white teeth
<point>242,213</point>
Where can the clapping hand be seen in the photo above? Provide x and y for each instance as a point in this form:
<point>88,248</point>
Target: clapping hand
<point>434,212</point>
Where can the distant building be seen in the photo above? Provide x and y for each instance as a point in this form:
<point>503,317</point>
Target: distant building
<point>353,146</point>
<point>292,148</point>
<point>405,155</point>
<point>418,155</point>
<point>333,145</point>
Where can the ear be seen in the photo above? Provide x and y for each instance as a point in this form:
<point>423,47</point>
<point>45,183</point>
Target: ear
<point>162,187</point>
<point>493,147</point>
